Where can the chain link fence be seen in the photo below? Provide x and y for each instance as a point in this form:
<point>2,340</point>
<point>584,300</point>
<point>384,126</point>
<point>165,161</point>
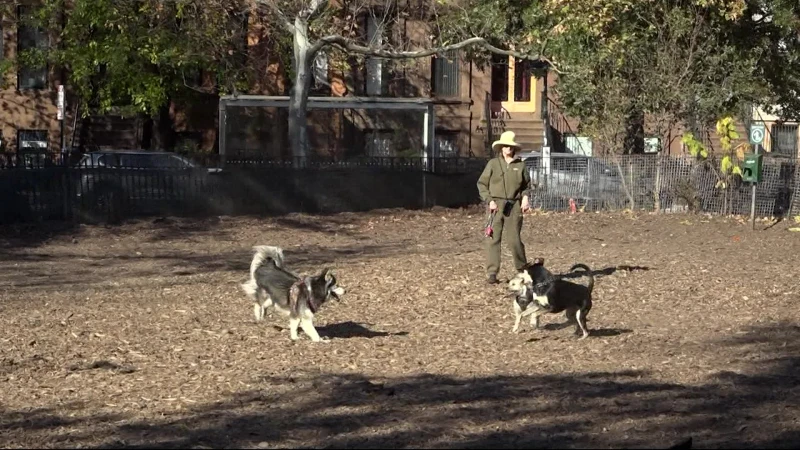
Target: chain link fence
<point>660,183</point>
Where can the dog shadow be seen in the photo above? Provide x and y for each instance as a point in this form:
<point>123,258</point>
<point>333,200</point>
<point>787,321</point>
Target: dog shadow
<point>593,333</point>
<point>346,330</point>
<point>558,326</point>
<point>608,332</point>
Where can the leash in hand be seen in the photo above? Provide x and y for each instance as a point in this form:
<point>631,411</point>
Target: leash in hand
<point>489,231</point>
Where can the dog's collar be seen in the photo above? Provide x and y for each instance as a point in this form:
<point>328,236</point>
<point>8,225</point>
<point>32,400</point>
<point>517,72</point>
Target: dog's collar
<point>542,284</point>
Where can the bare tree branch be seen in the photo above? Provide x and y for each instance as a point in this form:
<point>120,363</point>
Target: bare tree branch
<point>285,22</point>
<point>314,8</point>
<point>349,46</point>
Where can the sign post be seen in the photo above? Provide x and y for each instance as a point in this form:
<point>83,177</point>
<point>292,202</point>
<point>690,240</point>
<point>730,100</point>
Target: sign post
<point>757,130</point>
<point>60,104</point>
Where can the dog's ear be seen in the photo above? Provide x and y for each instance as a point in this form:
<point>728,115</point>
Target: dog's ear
<point>327,274</point>
<point>515,284</point>
<point>538,261</point>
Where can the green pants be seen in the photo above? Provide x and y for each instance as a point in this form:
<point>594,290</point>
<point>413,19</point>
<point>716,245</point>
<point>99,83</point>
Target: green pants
<point>508,229</point>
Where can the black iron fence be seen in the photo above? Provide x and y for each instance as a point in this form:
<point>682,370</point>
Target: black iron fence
<point>93,192</point>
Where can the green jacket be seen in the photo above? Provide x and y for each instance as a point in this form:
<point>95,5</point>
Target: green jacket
<point>503,181</point>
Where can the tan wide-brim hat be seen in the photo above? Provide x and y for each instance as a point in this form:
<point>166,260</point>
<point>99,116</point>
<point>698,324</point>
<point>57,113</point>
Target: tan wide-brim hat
<point>506,139</point>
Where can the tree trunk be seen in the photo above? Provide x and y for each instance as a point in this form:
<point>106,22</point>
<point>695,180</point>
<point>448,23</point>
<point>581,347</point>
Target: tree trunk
<point>634,133</point>
<point>298,98</point>
<point>166,135</point>
<point>625,186</point>
<point>657,193</point>
<point>148,127</point>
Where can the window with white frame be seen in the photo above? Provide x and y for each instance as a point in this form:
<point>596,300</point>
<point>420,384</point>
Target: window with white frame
<point>376,37</point>
<point>447,144</point>
<point>784,139</point>
<point>379,143</point>
<point>652,144</point>
<point>30,37</point>
<point>32,147</point>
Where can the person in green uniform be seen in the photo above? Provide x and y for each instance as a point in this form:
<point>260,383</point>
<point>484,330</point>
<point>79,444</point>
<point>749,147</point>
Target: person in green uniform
<point>504,185</point>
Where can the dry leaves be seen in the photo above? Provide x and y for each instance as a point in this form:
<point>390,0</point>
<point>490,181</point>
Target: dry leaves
<point>100,343</point>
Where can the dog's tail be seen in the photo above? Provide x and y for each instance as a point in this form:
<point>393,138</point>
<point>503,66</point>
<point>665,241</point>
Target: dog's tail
<point>263,253</point>
<point>588,271</point>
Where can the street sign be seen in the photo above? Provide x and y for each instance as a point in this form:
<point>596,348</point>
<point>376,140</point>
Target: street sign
<point>60,102</point>
<point>757,130</point>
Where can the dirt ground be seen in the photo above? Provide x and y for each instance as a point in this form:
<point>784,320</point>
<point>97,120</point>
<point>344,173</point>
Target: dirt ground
<point>140,336</point>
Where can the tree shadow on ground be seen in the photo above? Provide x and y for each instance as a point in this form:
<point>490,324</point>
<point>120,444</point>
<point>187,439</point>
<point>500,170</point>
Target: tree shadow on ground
<point>754,405</point>
<point>34,234</point>
<point>78,270</point>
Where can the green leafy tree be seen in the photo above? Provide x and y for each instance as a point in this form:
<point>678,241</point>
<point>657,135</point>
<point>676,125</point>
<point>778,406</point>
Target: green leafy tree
<point>138,55</point>
<point>729,169</point>
<point>628,65</point>
<point>670,59</point>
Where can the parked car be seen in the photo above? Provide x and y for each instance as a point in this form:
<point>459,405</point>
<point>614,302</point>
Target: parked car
<point>140,180</point>
<point>583,178</point>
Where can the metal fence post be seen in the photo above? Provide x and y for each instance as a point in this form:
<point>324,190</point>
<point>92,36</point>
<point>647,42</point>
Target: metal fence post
<point>223,121</point>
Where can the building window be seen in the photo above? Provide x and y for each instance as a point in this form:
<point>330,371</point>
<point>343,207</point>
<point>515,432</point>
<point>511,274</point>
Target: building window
<point>522,80</point>
<point>499,78</point>
<point>445,75</point>
<point>447,144</point>
<point>784,140</point>
<point>379,143</point>
<point>30,38</point>
<point>580,145</point>
<point>376,67</point>
<point>652,145</point>
<point>32,147</point>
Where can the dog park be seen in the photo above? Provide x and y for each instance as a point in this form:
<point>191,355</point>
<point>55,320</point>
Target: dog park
<point>139,335</point>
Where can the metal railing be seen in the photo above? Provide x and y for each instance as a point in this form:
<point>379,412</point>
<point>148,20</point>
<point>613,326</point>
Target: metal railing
<point>557,121</point>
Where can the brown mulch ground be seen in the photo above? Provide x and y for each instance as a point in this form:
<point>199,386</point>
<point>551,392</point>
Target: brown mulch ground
<point>139,336</point>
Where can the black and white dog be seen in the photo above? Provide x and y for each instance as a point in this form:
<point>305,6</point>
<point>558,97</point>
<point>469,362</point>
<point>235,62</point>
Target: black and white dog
<point>297,297</point>
<point>538,292</point>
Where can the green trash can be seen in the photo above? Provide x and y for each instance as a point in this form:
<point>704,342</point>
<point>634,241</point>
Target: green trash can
<point>751,169</point>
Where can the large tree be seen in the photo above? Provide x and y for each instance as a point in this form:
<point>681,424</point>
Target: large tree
<point>770,30</point>
<point>319,25</point>
<point>622,61</point>
<point>666,61</point>
<point>138,55</point>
